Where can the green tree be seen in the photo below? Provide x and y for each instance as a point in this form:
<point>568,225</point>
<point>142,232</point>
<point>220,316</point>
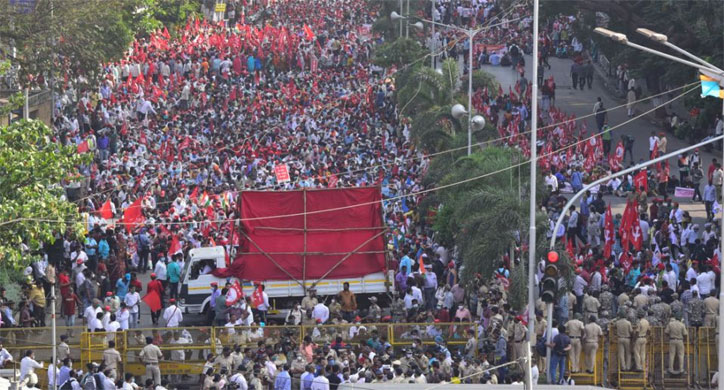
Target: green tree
<point>32,201</point>
<point>483,216</point>
<point>400,53</point>
<point>57,36</point>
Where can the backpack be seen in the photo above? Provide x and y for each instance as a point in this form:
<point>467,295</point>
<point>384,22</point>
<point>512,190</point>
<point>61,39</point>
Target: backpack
<point>68,385</point>
<point>89,383</point>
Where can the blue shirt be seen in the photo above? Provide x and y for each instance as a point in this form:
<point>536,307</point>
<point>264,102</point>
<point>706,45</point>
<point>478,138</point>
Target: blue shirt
<point>406,262</point>
<point>173,271</point>
<point>63,375</point>
<point>307,379</point>
<point>122,288</point>
<point>577,180</point>
<point>103,249</point>
<point>90,244</point>
<point>283,381</point>
<point>215,294</point>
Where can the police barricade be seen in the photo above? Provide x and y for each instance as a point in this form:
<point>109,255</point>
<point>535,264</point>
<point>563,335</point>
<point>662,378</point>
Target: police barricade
<point>462,336</point>
<point>347,334</point>
<point>585,376</point>
<point>19,340</point>
<point>705,359</point>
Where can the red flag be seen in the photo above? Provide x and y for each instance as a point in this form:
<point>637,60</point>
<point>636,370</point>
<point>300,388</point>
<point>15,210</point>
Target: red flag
<point>422,265</point>
<point>165,33</point>
<point>83,147</point>
<point>257,297</point>
<point>715,263</point>
<point>153,300</point>
<point>194,194</point>
<point>608,233</point>
<point>629,213</point>
<point>641,180</point>
<point>133,215</point>
<point>234,294</point>
<point>570,248</point>
<point>106,210</point>
<point>308,33</point>
<point>637,237</point>
<point>618,157</point>
<point>625,261</point>
<point>175,246</point>
<point>333,181</point>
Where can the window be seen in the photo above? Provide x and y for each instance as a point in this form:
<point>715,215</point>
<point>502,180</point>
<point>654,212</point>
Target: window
<point>202,267</point>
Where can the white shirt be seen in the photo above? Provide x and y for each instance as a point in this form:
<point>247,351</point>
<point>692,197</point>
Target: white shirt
<point>131,301</point>
<point>179,354</point>
<point>321,312</point>
<point>705,281</point>
<point>690,274</point>
<point>51,378</point>
<point>552,181</point>
<point>160,270</point>
<point>264,306</point>
<point>653,140</point>
<point>122,316</point>
<point>90,314</point>
<point>173,316</point>
<point>240,381</point>
<point>28,366</point>
<point>320,383</point>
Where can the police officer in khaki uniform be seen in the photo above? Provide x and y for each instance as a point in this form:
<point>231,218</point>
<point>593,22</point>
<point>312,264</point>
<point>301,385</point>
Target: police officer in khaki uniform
<point>574,329</point>
<point>624,331</point>
<point>151,355</point>
<point>310,300</point>
<point>519,335</point>
<point>676,330</point>
<point>642,332</point>
<point>711,303</point>
<point>592,333</point>
<point>591,305</point>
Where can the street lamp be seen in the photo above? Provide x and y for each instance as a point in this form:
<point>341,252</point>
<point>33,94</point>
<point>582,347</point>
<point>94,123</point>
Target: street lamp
<point>394,16</point>
<point>714,73</point>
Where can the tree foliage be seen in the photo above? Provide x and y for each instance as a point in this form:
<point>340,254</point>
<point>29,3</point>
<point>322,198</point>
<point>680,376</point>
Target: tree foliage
<point>32,202</point>
<point>78,35</point>
<point>400,52</point>
<point>483,216</point>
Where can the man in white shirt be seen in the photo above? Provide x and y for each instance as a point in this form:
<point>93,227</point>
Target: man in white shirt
<point>123,315</point>
<point>551,181</point>
<point>239,380</point>
<point>705,281</point>
<point>172,315</point>
<point>132,301</point>
<point>263,307</point>
<point>653,142</point>
<point>320,383</point>
<point>160,270</point>
<point>5,357</point>
<point>28,365</point>
<point>320,312</point>
<point>91,312</point>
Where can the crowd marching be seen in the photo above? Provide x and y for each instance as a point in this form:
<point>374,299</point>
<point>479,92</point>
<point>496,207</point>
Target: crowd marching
<point>185,121</point>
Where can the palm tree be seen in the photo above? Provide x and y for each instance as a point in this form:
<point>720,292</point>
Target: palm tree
<point>427,96</point>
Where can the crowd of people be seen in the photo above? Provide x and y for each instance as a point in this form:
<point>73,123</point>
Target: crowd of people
<point>185,121</point>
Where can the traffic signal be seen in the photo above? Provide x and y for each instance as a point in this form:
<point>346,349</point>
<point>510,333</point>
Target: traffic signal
<point>549,283</point>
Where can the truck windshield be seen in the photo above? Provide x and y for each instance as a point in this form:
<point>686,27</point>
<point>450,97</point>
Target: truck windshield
<point>202,267</point>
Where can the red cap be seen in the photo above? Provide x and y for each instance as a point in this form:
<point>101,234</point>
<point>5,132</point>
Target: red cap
<point>214,284</point>
<point>153,275</point>
<point>109,294</point>
<point>358,318</point>
<point>437,320</point>
<point>319,321</point>
<point>108,308</point>
<point>172,300</point>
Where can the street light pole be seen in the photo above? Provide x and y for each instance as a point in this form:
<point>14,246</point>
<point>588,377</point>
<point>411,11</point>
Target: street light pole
<point>432,39</point>
<point>532,259</point>
<point>715,73</point>
<point>471,34</point>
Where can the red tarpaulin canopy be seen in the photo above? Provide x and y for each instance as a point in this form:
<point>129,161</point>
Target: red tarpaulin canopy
<point>267,231</point>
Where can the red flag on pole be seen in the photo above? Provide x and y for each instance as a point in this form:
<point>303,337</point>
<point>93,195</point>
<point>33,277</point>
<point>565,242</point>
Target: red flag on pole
<point>570,248</point>
<point>637,237</point>
<point>175,246</point>
<point>641,180</point>
<point>133,215</point>
<point>153,300</point>
<point>106,210</point>
<point>422,265</point>
<point>308,33</point>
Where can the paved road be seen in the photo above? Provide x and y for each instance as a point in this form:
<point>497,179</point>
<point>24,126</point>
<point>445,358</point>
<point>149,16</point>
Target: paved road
<point>580,103</point>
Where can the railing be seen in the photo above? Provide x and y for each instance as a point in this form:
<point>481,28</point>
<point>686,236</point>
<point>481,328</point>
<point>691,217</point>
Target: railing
<point>185,349</point>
